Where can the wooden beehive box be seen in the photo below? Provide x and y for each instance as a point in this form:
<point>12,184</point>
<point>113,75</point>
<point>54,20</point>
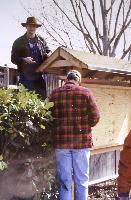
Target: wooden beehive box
<point>110,81</point>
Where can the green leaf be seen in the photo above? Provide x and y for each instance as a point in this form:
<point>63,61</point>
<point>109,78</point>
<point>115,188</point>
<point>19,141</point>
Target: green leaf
<point>1,128</point>
<point>1,157</point>
<point>48,105</point>
<point>42,126</point>
<point>21,134</point>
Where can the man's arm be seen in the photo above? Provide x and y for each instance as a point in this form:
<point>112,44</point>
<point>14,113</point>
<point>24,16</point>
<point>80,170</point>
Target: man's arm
<point>15,58</point>
<point>124,179</point>
<point>93,111</point>
<point>46,48</point>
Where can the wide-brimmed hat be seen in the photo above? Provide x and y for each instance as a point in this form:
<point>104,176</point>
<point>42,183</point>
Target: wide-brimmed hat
<point>32,21</point>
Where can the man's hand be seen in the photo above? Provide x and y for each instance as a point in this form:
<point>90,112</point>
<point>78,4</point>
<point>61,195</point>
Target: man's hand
<point>49,53</point>
<point>29,60</point>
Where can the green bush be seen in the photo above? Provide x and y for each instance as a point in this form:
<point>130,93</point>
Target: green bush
<point>24,122</point>
<point>26,150</point>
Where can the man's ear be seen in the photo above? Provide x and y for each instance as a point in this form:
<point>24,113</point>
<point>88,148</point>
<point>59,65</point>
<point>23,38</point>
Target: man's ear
<point>65,80</point>
<point>79,82</point>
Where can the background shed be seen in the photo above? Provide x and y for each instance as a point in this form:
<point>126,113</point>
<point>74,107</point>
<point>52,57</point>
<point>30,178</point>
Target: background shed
<point>8,75</point>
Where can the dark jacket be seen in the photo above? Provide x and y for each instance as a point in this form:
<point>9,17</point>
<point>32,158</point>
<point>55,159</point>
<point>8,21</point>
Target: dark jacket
<point>75,112</point>
<point>20,50</point>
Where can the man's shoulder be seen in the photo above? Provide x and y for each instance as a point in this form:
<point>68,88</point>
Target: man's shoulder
<point>40,37</point>
<point>20,39</point>
<point>80,89</point>
<point>54,93</point>
<point>56,90</point>
<point>83,89</point>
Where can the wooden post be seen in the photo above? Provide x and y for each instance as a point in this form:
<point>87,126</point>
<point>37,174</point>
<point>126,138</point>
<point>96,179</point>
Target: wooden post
<point>6,76</point>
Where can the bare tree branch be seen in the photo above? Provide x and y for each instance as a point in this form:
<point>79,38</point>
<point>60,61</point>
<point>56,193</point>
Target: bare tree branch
<point>112,3</point>
<point>81,28</point>
<point>128,12</point>
<point>67,33</point>
<point>56,3</point>
<point>129,55</point>
<point>116,22</point>
<point>87,37</point>
<point>126,52</point>
<point>110,19</point>
<point>87,40</point>
<point>105,27</point>
<point>96,29</point>
<point>105,33</point>
<point>90,17</point>
<point>124,31</point>
<point>119,36</point>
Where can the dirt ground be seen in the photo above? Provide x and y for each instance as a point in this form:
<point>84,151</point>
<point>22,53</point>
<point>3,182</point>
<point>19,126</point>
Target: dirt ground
<point>103,191</point>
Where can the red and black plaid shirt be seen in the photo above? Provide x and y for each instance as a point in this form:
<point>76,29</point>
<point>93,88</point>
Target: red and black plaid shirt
<point>75,112</point>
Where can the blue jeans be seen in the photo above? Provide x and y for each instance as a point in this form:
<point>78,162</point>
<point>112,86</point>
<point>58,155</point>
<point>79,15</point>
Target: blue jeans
<point>73,162</point>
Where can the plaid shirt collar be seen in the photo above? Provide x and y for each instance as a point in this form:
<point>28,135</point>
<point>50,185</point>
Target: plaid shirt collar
<point>70,82</point>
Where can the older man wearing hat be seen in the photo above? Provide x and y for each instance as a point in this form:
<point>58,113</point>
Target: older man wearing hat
<point>75,112</point>
<point>28,52</point>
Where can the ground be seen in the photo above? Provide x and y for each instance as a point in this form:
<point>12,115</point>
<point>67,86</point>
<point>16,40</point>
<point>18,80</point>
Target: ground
<point>103,191</point>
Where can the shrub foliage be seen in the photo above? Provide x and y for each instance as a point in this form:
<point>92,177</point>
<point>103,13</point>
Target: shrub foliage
<point>24,122</point>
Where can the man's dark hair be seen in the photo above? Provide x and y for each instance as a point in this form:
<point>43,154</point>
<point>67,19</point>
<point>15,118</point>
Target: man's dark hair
<point>74,75</point>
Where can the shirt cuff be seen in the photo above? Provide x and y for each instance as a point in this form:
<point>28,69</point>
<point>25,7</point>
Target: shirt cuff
<point>124,194</point>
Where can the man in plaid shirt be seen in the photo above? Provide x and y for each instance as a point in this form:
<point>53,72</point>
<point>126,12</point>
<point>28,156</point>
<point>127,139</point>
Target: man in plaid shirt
<point>75,112</point>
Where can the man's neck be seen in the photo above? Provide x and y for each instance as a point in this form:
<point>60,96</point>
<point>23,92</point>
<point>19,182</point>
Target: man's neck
<point>73,81</point>
<point>31,35</point>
